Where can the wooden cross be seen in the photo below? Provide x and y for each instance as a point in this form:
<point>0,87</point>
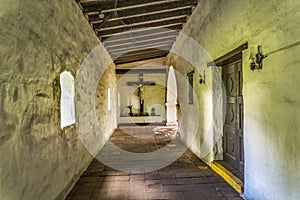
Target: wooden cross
<point>141,83</point>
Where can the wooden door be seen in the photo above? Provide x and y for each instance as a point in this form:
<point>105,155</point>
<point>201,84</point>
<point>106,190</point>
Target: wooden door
<point>233,139</point>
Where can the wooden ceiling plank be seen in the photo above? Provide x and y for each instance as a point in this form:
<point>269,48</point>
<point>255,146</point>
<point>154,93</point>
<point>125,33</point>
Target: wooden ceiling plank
<point>135,38</point>
<point>165,47</point>
<point>136,42</point>
<point>142,52</point>
<point>130,21</point>
<point>139,6</point>
<point>123,62</point>
<point>95,10</point>
<point>160,61</point>
<point>159,12</point>
<point>141,56</point>
<point>142,23</point>
<point>141,46</point>
<point>175,24</point>
<point>99,6</point>
<point>139,33</point>
<point>95,1</point>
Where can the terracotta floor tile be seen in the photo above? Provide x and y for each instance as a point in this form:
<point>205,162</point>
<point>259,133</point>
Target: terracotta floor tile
<point>186,178</point>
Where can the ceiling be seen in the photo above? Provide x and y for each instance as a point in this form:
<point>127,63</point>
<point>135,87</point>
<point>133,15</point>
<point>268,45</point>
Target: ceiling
<point>135,30</point>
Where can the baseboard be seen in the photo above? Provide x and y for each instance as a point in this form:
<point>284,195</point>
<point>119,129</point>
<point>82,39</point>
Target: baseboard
<point>230,178</point>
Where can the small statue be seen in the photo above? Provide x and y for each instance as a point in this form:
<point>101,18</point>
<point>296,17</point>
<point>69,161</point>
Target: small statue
<point>130,110</point>
<point>153,111</point>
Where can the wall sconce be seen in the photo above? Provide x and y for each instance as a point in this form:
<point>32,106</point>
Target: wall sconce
<point>256,60</point>
<point>202,79</point>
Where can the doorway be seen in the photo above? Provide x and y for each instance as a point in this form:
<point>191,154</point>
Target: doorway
<point>233,136</point>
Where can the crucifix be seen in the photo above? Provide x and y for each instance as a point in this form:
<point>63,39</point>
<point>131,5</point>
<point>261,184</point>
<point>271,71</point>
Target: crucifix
<point>141,83</point>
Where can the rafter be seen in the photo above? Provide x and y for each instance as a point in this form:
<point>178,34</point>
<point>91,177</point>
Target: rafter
<point>142,56</point>
<point>155,3</point>
<point>153,13</point>
<point>164,47</point>
<point>143,23</point>
<point>143,41</point>
<point>141,52</point>
<point>139,37</point>
<point>147,46</point>
<point>173,26</point>
<point>158,61</point>
<point>133,30</point>
<point>139,59</point>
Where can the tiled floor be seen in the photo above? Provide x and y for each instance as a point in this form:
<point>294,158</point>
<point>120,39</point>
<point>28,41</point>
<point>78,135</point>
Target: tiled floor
<point>186,178</point>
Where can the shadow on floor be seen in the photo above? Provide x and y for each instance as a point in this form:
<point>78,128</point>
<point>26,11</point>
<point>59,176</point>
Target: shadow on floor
<point>186,178</point>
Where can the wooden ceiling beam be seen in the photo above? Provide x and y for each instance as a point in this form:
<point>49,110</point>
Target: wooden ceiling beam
<point>95,1</point>
<point>142,52</point>
<point>158,61</point>
<point>144,16</point>
<point>132,6</point>
<point>162,47</point>
<point>159,12</point>
<point>141,21</point>
<point>144,23</point>
<point>177,23</point>
<point>144,46</point>
<point>141,41</point>
<point>139,37</point>
<point>133,30</point>
<point>140,32</point>
<point>141,56</point>
<point>145,56</point>
<point>139,59</point>
<point>141,44</point>
<point>155,3</point>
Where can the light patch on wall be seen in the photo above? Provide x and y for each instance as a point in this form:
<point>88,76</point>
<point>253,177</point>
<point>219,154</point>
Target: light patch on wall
<point>108,99</point>
<point>67,104</point>
<point>119,99</point>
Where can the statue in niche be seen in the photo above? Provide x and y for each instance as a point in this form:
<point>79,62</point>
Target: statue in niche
<point>153,111</point>
<point>130,110</point>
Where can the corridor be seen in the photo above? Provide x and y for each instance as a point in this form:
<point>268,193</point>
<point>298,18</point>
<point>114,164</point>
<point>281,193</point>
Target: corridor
<point>186,178</point>
<point>76,74</point>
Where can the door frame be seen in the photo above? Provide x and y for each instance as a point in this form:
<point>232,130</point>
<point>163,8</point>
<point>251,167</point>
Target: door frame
<point>233,56</point>
<point>237,126</point>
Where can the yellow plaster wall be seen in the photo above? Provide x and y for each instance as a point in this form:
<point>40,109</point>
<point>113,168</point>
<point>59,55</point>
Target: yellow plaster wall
<point>271,96</point>
<point>38,41</point>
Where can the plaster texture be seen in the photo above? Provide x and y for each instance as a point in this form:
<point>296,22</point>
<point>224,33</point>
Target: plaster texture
<point>271,95</point>
<point>38,41</point>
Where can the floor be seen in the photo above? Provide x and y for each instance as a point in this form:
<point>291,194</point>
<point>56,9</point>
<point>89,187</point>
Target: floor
<point>234,171</point>
<point>186,178</point>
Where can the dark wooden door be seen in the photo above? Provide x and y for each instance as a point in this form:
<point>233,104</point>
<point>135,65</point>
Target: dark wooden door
<point>233,139</point>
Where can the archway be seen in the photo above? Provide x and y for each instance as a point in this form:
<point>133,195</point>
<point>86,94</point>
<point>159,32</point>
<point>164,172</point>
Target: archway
<point>171,98</point>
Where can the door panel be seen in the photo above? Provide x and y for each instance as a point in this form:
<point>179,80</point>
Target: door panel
<point>233,128</point>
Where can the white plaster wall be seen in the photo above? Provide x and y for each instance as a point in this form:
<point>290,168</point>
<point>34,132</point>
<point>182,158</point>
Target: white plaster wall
<point>271,96</point>
<point>38,41</point>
